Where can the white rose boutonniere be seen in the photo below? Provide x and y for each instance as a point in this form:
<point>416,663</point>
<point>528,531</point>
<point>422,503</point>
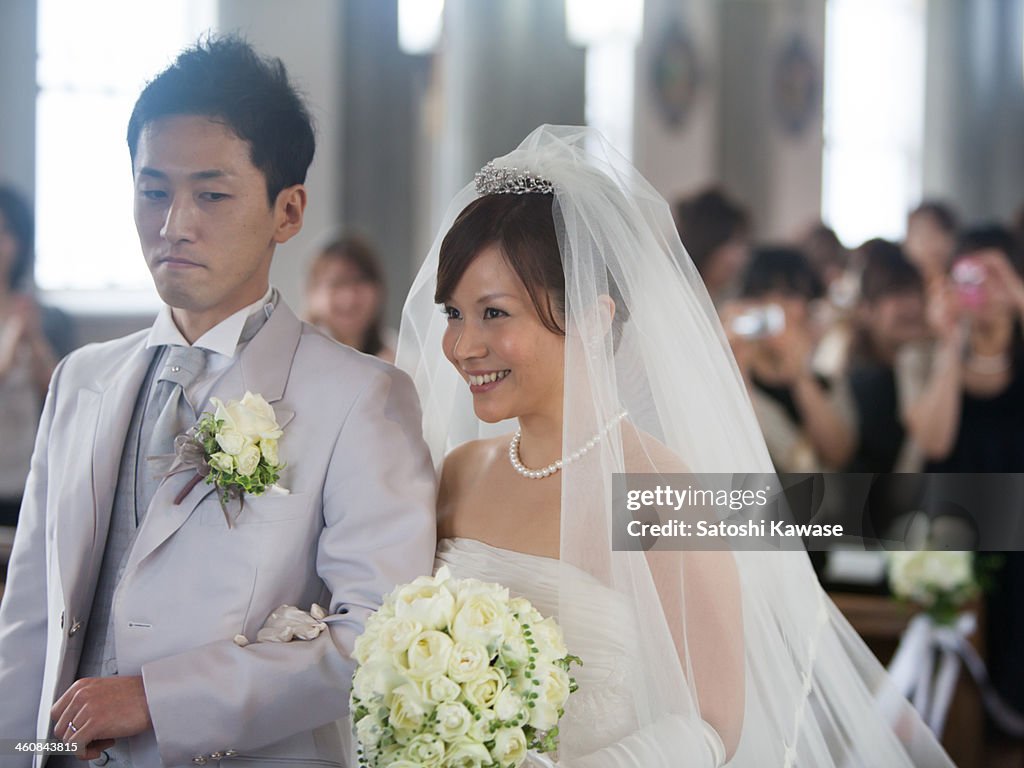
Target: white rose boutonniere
<point>234,448</point>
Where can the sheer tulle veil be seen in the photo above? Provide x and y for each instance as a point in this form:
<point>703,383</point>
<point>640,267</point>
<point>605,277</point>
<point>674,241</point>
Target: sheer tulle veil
<point>808,692</point>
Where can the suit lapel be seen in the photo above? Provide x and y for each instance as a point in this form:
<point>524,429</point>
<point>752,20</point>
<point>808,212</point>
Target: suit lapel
<point>262,368</point>
<point>105,414</point>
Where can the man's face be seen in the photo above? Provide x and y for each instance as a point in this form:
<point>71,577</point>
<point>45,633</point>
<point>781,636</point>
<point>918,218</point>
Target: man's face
<point>206,228</point>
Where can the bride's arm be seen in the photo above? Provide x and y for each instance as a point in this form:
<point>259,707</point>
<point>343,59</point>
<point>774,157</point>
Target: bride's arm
<point>700,595</point>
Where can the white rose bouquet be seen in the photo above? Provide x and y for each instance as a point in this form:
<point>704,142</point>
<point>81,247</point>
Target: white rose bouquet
<point>234,448</point>
<point>941,582</point>
<point>452,673</point>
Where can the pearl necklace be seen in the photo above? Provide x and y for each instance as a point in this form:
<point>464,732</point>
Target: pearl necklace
<point>557,464</point>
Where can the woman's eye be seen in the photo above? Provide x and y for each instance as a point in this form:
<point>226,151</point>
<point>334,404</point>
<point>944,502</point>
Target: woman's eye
<point>450,312</point>
<point>492,313</point>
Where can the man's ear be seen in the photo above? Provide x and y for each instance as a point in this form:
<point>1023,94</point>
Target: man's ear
<point>289,209</point>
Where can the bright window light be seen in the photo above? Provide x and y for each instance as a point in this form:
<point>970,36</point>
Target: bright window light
<point>419,25</point>
<point>874,116</point>
<point>589,22</point>
<point>94,59</point>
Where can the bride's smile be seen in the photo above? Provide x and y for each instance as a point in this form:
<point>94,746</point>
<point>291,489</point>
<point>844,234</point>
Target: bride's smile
<point>499,344</point>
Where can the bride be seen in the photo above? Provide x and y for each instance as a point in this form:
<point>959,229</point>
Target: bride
<point>576,341</point>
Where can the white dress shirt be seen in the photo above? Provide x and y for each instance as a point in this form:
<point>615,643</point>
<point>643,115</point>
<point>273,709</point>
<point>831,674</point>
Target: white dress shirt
<point>222,344</point>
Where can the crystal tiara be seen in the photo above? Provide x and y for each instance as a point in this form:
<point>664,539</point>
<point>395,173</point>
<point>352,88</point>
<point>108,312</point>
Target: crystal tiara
<point>498,180</point>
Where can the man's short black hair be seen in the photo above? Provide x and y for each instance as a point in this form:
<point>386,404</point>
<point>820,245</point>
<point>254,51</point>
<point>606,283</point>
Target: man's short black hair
<point>224,79</point>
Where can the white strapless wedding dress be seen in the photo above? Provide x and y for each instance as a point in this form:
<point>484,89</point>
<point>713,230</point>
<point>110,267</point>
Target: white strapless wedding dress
<point>600,726</point>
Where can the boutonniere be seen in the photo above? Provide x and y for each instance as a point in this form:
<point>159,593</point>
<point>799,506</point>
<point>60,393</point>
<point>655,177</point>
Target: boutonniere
<point>235,449</point>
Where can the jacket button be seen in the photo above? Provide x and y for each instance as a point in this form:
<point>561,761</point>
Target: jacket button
<point>75,626</point>
<point>216,755</point>
<point>230,752</point>
<point>199,760</point>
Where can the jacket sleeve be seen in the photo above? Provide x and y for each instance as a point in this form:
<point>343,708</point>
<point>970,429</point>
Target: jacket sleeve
<point>23,609</point>
<point>379,531</point>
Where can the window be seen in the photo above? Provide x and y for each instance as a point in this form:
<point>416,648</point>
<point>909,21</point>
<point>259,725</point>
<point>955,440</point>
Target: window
<point>874,116</point>
<point>94,59</point>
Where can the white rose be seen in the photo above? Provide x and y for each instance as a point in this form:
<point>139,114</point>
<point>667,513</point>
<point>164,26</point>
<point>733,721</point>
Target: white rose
<point>425,750</point>
<point>467,662</point>
<point>222,462</point>
<point>468,588</point>
<point>368,643</point>
<point>513,650</point>
<point>481,728</point>
<point>509,706</point>
<point>481,619</point>
<point>231,441</point>
<point>509,746</point>
<point>396,635</point>
<point>554,691</point>
<point>548,637</point>
<point>369,731</point>
<point>453,720</point>
<point>248,460</point>
<point>255,416</point>
<point>428,655</point>
<point>525,609</point>
<point>268,447</point>
<point>426,601</point>
<point>483,691</point>
<point>467,753</point>
<point>408,708</point>
<point>440,689</point>
<point>377,679</point>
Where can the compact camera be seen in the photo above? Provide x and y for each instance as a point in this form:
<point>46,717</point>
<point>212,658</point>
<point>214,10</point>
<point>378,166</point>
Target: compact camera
<point>759,322</point>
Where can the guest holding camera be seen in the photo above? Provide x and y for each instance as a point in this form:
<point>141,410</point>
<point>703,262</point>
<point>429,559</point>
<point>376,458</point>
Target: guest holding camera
<point>806,418</point>
<point>969,413</point>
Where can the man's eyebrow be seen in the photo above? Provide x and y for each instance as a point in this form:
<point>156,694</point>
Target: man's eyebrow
<point>213,173</point>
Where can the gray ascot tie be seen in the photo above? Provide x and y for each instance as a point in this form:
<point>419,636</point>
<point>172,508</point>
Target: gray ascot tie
<point>168,414</point>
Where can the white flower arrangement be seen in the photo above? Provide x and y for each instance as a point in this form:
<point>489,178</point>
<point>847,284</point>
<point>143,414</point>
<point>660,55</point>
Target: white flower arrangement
<point>452,673</point>
<point>941,582</point>
<point>234,448</point>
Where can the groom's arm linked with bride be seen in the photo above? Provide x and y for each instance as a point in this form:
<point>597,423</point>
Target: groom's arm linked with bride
<point>127,586</point>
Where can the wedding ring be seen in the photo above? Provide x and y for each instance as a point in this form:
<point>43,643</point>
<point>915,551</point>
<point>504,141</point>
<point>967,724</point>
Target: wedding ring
<point>71,725</point>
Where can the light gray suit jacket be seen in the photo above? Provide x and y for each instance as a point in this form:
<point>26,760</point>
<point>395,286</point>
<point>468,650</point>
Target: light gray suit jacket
<point>359,520</point>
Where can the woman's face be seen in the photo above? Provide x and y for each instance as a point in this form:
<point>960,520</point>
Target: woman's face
<point>896,318</point>
<point>8,249</point>
<point>928,245</point>
<point>511,362</point>
<point>344,300</point>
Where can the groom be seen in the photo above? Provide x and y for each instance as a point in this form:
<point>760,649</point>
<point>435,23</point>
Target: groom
<point>128,581</point>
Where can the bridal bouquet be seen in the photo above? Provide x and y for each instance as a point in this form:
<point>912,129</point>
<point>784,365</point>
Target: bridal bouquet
<point>453,673</point>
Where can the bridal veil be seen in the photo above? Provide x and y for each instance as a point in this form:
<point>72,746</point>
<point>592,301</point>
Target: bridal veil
<point>746,641</point>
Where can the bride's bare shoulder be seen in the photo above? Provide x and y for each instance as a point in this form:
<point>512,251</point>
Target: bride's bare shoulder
<point>470,459</point>
<point>645,453</point>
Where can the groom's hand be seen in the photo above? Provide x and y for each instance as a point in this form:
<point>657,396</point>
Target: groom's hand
<point>101,709</point>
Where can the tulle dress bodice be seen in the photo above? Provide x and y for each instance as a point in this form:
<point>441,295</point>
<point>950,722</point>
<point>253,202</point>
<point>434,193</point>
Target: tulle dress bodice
<point>600,725</point>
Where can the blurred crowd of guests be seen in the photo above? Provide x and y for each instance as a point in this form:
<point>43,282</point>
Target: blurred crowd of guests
<point>884,358</point>
<point>887,357</point>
